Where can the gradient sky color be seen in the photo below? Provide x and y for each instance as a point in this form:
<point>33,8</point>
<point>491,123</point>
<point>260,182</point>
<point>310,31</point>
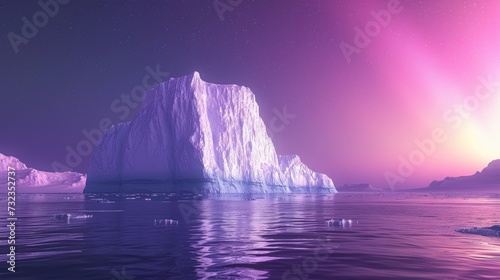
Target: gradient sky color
<point>353,120</point>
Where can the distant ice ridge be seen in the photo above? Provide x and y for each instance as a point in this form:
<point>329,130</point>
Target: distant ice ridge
<point>30,180</point>
<point>486,180</point>
<point>358,188</point>
<point>191,131</point>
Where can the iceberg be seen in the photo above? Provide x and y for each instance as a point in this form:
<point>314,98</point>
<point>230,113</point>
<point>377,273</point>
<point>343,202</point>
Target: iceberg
<point>190,133</point>
<point>30,180</point>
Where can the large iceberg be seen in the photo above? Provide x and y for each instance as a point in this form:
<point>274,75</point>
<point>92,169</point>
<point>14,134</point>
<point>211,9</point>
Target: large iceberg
<point>190,132</point>
<point>30,180</point>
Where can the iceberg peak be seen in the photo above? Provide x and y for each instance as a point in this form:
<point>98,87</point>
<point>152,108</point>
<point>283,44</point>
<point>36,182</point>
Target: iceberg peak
<point>10,161</point>
<point>196,75</point>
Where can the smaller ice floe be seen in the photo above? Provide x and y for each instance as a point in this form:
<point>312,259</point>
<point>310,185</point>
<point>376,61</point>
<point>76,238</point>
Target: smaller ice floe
<point>102,200</point>
<point>166,222</point>
<point>493,231</point>
<point>339,222</point>
<point>84,216</point>
<point>70,217</point>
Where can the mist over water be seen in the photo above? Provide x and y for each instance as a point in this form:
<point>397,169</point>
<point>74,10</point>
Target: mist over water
<point>392,236</point>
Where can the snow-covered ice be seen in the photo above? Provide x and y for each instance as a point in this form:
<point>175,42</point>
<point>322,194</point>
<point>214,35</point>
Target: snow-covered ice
<point>30,180</point>
<point>192,132</point>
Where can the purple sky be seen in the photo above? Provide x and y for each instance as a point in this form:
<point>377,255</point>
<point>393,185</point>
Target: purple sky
<point>357,115</point>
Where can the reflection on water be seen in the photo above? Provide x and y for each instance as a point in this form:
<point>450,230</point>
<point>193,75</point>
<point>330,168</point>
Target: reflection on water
<point>392,236</point>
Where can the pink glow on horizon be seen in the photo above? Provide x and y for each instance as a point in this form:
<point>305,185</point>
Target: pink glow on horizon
<point>400,85</point>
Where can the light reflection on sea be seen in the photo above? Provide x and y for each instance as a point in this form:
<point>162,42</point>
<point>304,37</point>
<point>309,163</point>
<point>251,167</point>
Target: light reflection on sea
<point>393,236</point>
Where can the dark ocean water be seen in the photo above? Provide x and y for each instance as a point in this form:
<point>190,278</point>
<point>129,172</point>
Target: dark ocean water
<point>393,236</point>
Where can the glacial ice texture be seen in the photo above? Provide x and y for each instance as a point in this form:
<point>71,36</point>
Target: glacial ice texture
<point>30,180</point>
<point>190,131</point>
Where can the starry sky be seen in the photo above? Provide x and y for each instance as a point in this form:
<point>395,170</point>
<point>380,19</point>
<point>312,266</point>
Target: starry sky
<point>392,93</point>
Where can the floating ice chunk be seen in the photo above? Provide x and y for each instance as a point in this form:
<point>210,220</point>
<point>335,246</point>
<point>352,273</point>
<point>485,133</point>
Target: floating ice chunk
<point>84,216</point>
<point>493,231</point>
<point>102,200</point>
<point>339,222</point>
<point>67,216</point>
<point>166,222</point>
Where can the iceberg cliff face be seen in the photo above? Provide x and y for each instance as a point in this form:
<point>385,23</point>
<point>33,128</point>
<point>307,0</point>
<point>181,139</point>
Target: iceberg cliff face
<point>29,180</point>
<point>192,131</point>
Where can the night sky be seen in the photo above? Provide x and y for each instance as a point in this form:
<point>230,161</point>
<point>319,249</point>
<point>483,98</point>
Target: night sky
<point>355,115</point>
